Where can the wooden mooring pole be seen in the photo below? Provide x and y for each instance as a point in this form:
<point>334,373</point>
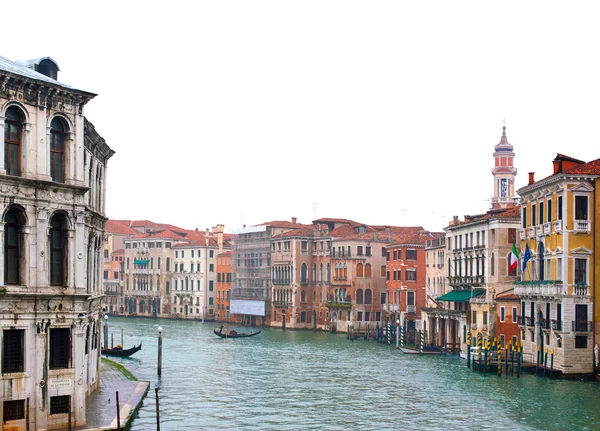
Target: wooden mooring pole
<point>118,413</point>
<point>157,410</point>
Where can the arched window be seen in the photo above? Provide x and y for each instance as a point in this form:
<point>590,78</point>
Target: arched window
<point>368,296</point>
<point>336,270</point>
<point>12,246</point>
<point>328,273</point>
<point>368,270</point>
<point>345,275</point>
<point>321,273</point>
<point>359,270</point>
<point>303,273</point>
<point>359,296</point>
<point>168,264</point>
<point>314,279</point>
<point>303,296</point>
<point>58,250</point>
<point>151,263</point>
<point>13,131</point>
<point>58,137</point>
<point>492,265</point>
<point>158,264</point>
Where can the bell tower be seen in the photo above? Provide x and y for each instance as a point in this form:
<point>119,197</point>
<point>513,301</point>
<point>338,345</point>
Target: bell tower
<point>504,173</point>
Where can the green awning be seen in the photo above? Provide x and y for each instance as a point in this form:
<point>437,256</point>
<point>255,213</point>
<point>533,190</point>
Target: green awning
<point>460,295</point>
<point>140,261</point>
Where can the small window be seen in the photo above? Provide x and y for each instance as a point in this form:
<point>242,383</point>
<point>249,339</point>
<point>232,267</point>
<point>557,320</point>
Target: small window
<point>14,410</point>
<point>60,405</point>
<point>411,254</point>
<point>13,348</point>
<point>502,316</point>
<point>12,246</point>
<point>60,348</point>
<point>58,250</point>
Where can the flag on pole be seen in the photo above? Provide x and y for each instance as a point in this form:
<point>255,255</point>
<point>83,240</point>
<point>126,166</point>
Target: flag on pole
<point>526,256</point>
<point>514,259</point>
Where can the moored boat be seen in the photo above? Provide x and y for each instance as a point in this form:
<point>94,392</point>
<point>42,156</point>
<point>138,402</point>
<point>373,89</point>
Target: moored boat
<point>119,351</point>
<point>234,334</point>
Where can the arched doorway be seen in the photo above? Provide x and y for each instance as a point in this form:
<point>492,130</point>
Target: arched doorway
<point>333,322</point>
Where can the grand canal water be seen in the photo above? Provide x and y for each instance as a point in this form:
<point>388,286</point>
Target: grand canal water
<point>304,380</point>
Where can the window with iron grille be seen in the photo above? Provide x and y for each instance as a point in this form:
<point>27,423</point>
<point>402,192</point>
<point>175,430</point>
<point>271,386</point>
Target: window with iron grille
<point>14,410</point>
<point>60,348</point>
<point>60,405</point>
<point>13,347</point>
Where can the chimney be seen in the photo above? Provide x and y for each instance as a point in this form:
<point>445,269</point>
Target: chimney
<point>531,174</point>
<point>455,219</point>
<point>294,220</point>
<point>376,236</point>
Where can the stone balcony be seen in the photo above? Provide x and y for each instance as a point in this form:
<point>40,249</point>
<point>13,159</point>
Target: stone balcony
<point>549,289</point>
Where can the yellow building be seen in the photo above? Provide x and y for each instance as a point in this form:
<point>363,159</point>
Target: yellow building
<point>556,290</point>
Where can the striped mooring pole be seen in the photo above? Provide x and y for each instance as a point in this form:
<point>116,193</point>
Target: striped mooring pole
<point>422,341</point>
<point>389,333</point>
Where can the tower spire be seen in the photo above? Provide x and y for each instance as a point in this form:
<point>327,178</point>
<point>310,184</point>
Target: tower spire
<point>504,172</point>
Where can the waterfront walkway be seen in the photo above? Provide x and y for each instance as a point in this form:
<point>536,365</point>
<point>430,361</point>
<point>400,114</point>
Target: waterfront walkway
<point>101,410</point>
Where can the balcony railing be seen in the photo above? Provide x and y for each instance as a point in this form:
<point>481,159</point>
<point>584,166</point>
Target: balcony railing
<point>581,289</point>
<point>550,288</point>
<point>411,308</point>
<point>474,326</point>
<point>478,300</point>
<point>282,304</point>
<point>538,230</point>
<point>529,321</point>
<point>581,326</point>
<point>545,323</point>
<point>342,304</point>
<point>142,271</point>
<point>531,231</point>
<point>146,293</point>
<point>557,325</point>
<point>471,280</point>
<point>522,234</point>
<point>582,226</point>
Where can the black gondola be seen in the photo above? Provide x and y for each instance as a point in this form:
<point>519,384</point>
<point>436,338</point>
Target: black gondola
<point>119,351</point>
<point>234,334</point>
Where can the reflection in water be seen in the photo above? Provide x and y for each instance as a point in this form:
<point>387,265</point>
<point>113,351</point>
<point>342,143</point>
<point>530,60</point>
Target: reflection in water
<point>304,380</point>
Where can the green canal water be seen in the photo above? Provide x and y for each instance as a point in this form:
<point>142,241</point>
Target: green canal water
<point>318,381</point>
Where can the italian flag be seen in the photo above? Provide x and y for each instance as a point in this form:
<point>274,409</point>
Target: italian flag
<point>514,258</point>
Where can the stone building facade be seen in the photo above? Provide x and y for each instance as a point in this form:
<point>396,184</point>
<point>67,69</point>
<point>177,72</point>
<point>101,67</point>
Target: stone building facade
<point>52,193</point>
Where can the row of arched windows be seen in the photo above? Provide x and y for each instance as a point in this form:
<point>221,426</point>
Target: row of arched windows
<point>14,126</point>
<point>15,256</point>
<point>365,297</point>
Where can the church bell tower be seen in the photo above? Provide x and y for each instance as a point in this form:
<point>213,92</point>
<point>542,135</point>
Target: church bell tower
<point>504,173</point>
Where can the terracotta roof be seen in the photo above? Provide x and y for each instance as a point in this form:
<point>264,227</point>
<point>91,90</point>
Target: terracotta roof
<point>304,231</point>
<point>226,253</point>
<point>120,227</point>
<point>508,295</point>
<point>513,212</point>
<point>337,220</point>
<point>590,168</point>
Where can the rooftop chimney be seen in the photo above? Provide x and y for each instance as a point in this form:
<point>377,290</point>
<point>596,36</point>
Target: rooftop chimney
<point>294,220</point>
<point>531,174</point>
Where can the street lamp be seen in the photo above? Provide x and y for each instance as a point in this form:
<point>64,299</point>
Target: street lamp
<point>159,350</point>
<point>106,331</point>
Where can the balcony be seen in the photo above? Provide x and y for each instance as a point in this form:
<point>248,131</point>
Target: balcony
<point>474,326</point>
<point>531,232</point>
<point>281,304</point>
<point>411,308</point>
<point>393,307</point>
<point>544,288</point>
<point>581,289</point>
<point>142,272</point>
<point>341,304</point>
<point>538,230</point>
<point>522,234</point>
<point>558,226</point>
<point>581,326</point>
<point>545,323</point>
<point>142,250</point>
<point>466,281</point>
<point>557,325</point>
<point>529,321</point>
<point>547,228</point>
<point>144,293</point>
<point>481,299</point>
<point>582,226</point>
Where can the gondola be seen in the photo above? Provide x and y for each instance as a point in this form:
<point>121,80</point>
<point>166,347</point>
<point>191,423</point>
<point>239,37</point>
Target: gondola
<point>119,351</point>
<point>235,334</point>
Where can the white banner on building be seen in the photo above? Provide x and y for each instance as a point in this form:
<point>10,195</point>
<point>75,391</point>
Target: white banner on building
<point>244,306</point>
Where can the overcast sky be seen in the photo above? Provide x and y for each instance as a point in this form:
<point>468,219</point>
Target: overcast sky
<point>383,112</point>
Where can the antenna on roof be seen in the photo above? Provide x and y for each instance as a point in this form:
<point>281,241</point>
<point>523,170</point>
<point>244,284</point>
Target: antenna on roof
<point>315,210</point>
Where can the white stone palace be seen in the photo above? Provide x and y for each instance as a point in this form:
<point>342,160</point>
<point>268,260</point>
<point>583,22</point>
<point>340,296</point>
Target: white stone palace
<point>52,194</point>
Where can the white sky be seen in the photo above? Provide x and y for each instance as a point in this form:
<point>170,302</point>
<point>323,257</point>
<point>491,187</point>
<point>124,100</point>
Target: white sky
<point>384,112</point>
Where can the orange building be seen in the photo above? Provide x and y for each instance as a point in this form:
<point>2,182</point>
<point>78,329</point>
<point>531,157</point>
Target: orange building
<point>223,289</point>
